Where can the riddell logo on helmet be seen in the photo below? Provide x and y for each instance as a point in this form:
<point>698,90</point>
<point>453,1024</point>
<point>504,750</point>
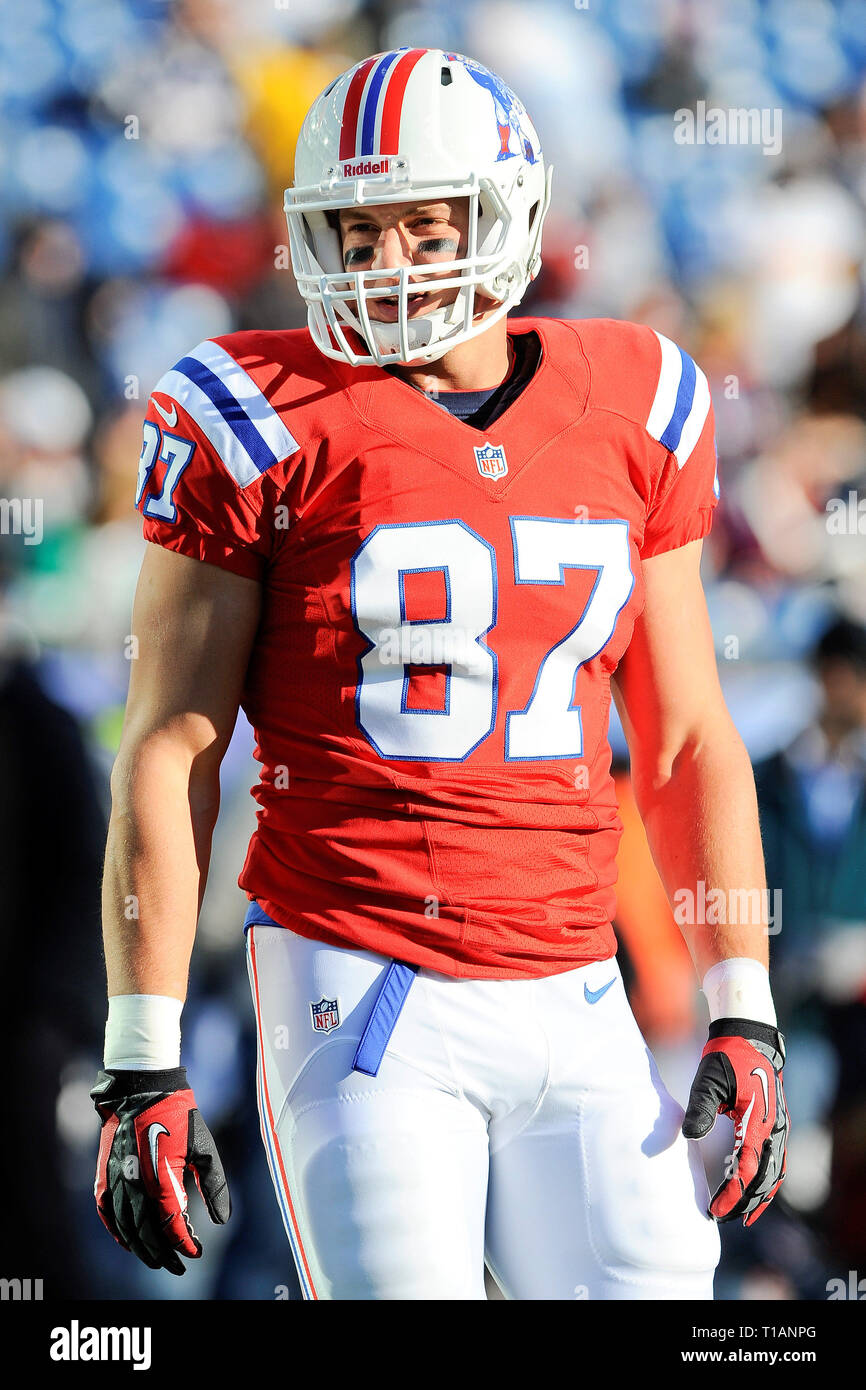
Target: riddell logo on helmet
<point>351,169</point>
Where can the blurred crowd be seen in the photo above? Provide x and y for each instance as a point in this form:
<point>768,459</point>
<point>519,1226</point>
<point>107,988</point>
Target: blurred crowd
<point>145,145</point>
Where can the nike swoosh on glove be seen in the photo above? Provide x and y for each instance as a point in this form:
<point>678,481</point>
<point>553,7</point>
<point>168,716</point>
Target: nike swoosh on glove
<point>740,1074</point>
<point>152,1133</point>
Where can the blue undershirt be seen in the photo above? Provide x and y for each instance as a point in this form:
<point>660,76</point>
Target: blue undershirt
<point>481,408</point>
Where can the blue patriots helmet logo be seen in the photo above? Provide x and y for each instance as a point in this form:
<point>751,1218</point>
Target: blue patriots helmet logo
<point>507,106</point>
<point>325,1015</point>
<point>491,460</point>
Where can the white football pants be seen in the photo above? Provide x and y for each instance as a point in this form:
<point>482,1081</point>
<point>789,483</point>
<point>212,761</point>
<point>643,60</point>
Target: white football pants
<point>512,1121</point>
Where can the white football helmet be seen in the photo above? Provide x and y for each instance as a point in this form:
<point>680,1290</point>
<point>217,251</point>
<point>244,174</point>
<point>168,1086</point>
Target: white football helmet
<point>415,125</point>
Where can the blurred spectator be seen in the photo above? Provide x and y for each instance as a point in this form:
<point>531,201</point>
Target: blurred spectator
<point>52,837</point>
<point>812,799</point>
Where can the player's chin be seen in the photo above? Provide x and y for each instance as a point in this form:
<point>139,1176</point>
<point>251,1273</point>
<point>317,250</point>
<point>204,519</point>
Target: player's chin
<point>483,306</point>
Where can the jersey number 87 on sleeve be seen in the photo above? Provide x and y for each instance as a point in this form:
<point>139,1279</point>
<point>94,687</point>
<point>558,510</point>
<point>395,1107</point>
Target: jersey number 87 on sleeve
<point>167,448</point>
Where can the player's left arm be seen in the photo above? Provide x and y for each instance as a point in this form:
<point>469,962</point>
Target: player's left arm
<point>690,771</point>
<point>695,791</point>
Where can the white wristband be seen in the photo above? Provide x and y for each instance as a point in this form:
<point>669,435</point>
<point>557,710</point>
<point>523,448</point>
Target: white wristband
<point>143,1032</point>
<point>739,988</point>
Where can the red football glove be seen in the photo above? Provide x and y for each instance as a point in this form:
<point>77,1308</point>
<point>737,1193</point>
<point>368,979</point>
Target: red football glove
<point>151,1134</point>
<point>740,1074</point>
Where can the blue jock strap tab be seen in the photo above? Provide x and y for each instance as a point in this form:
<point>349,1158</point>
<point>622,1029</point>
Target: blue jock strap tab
<point>257,917</point>
<point>383,1018</point>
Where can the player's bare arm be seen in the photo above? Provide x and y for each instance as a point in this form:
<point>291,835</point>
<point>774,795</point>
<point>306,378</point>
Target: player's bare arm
<point>695,791</point>
<point>194,625</point>
<point>690,771</point>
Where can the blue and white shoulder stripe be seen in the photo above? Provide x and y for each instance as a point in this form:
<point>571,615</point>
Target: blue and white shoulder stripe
<point>681,403</point>
<point>230,410</point>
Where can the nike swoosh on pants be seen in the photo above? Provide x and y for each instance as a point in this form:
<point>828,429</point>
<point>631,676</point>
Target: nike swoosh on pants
<point>592,996</point>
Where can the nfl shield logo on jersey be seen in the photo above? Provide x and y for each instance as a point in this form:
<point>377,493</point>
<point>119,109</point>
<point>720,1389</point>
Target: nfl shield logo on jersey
<point>325,1015</point>
<point>491,461</point>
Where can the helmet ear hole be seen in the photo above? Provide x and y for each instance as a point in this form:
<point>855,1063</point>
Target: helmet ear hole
<point>333,220</point>
<point>532,211</point>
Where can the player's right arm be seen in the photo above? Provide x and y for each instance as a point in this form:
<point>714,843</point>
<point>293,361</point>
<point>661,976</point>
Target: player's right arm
<point>210,477</point>
<point>193,628</point>
<point>214,464</point>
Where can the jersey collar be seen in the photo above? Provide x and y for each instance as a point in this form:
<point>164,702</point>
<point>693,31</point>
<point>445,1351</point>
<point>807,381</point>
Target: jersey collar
<point>551,402</point>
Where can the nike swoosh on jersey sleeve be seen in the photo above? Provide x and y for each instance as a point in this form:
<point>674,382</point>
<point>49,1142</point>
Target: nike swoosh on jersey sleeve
<point>681,402</point>
<point>230,410</point>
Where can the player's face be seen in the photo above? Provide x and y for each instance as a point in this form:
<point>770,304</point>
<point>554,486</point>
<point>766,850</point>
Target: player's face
<point>400,234</point>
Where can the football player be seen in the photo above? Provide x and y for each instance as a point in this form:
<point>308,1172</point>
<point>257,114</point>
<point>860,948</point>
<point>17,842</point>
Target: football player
<point>421,544</point>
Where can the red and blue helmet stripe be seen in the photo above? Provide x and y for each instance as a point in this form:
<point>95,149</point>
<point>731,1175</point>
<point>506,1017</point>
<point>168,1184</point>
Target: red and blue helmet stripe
<point>375,101</point>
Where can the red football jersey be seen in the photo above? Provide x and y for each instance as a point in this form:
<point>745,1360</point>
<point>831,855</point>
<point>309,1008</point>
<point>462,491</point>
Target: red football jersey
<point>443,609</point>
